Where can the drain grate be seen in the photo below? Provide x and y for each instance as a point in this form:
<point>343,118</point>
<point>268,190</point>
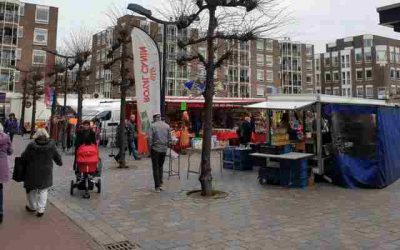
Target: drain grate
<point>122,245</point>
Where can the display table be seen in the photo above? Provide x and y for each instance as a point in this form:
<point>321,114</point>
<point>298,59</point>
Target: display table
<point>191,151</point>
<point>292,170</point>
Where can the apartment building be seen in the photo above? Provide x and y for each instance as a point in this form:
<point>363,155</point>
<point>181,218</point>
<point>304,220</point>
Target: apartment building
<point>255,69</point>
<point>365,66</point>
<point>27,30</point>
<point>297,67</point>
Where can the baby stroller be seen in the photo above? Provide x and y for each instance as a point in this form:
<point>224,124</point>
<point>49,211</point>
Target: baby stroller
<point>87,163</point>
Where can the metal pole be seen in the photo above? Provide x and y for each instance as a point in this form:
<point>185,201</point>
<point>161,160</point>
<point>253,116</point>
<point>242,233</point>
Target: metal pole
<point>164,72</point>
<point>319,138</point>
<point>64,112</point>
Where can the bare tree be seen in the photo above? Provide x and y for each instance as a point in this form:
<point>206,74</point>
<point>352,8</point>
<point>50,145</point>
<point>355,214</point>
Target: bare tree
<point>122,38</point>
<point>57,87</point>
<point>219,20</point>
<point>35,90</point>
<point>79,45</point>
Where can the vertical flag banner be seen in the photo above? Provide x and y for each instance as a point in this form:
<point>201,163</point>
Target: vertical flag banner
<point>146,65</point>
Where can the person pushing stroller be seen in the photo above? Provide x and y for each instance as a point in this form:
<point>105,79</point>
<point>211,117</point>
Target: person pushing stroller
<point>86,149</point>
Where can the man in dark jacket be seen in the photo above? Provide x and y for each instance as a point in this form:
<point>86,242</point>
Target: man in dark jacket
<point>159,140</point>
<point>39,156</point>
<point>245,131</point>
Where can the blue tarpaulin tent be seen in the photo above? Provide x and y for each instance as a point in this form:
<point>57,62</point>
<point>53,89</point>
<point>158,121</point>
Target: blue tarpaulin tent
<point>369,170</point>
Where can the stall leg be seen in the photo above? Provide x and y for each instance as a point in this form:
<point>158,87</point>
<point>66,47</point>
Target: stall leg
<point>188,169</point>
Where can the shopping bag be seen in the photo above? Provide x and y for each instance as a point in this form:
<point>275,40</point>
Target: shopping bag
<point>19,169</point>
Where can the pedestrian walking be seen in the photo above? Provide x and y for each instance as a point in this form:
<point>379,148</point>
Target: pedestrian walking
<point>245,131</point>
<point>159,139</point>
<point>11,126</point>
<point>5,151</point>
<point>132,134</point>
<point>38,157</point>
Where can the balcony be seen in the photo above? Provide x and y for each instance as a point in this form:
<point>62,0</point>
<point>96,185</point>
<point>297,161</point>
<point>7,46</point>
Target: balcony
<point>7,63</point>
<point>8,40</point>
<point>9,17</point>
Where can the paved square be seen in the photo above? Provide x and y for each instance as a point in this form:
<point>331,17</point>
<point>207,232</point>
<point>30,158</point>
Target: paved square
<point>251,217</point>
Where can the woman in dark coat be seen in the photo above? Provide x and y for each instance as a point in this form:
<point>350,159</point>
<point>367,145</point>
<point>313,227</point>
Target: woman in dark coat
<point>38,157</point>
<point>5,151</point>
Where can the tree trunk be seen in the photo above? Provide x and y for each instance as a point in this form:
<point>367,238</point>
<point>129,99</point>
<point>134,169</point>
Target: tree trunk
<point>80,94</point>
<point>205,172</point>
<point>33,120</point>
<point>22,122</point>
<point>122,135</point>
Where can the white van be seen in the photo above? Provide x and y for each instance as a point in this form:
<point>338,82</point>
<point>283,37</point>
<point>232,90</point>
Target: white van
<point>109,116</point>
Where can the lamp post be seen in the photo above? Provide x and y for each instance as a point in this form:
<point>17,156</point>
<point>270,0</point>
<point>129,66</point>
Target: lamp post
<point>147,13</point>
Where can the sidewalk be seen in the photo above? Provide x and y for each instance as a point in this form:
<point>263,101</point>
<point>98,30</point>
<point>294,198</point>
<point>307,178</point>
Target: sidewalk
<point>21,230</point>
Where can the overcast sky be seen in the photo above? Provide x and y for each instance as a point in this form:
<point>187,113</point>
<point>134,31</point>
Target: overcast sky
<point>314,21</point>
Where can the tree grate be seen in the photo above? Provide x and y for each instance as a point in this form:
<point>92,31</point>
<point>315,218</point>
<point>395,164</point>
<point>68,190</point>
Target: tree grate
<point>122,245</point>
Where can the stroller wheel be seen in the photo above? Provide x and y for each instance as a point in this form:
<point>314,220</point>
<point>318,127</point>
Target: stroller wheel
<point>72,188</point>
<point>98,185</point>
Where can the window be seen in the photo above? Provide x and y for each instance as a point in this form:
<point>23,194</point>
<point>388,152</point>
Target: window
<point>317,67</point>
<point>393,90</point>
<point>269,61</point>
<point>309,65</point>
<point>369,91</point>
<point>42,14</point>
<point>327,61</point>
<point>392,73</point>
<point>328,77</point>
<point>270,44</point>
<point>38,57</point>
<point>360,91</point>
<point>347,61</point>
<point>392,55</point>
<point>382,93</point>
<point>317,80</point>
<point>260,59</point>
<point>17,75</point>
<point>40,36</point>
<point>260,75</point>
<point>22,9</point>
<point>260,91</point>
<point>381,54</point>
<point>309,50</point>
<point>328,91</point>
<point>368,42</point>
<point>358,55</point>
<point>368,74</point>
<point>397,50</point>
<point>359,75</point>
<point>18,54</point>
<point>335,61</point>
<point>309,79</point>
<point>270,75</point>
<point>335,76</point>
<point>260,44</point>
<point>20,31</point>
<point>367,55</point>
<point>336,91</point>
<point>398,74</point>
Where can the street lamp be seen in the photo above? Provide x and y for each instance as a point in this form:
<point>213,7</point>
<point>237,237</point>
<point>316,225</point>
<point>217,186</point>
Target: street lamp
<point>147,13</point>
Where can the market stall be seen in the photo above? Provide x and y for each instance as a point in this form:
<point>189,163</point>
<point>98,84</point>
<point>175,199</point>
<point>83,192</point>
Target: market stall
<point>353,141</point>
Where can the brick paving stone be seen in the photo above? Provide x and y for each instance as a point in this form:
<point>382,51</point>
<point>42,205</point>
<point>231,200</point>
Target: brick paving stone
<point>324,216</point>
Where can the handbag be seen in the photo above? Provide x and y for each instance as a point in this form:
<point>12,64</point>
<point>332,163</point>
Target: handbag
<point>19,169</point>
